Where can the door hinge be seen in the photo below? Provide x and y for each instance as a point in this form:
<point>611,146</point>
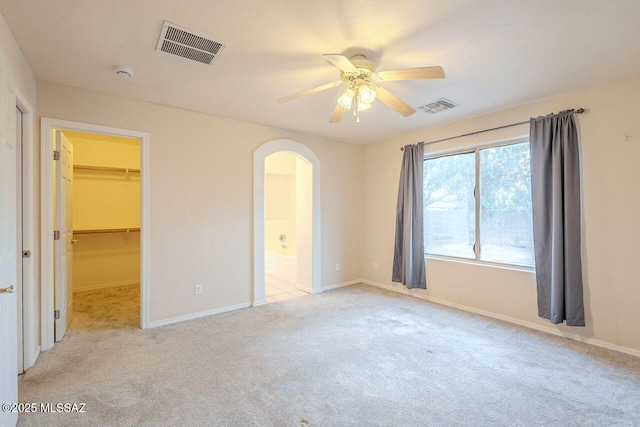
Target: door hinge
<point>26,254</point>
<point>56,155</point>
<point>56,235</point>
<point>56,314</point>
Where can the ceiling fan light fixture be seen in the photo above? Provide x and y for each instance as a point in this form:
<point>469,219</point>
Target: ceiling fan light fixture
<point>364,85</point>
<point>346,99</point>
<point>366,94</point>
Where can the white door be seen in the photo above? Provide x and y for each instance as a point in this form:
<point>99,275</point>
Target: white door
<point>64,246</point>
<point>8,246</point>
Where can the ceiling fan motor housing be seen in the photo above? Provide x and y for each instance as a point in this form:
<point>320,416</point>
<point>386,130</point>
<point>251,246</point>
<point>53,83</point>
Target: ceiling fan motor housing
<point>361,61</point>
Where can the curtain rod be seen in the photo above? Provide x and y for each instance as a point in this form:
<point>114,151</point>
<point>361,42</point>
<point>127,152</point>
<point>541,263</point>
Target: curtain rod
<point>578,111</point>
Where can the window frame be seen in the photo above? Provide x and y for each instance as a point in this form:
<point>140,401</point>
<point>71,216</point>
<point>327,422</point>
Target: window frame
<point>476,148</point>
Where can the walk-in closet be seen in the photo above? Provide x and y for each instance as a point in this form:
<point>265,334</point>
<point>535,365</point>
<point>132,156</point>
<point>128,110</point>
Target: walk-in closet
<point>106,231</point>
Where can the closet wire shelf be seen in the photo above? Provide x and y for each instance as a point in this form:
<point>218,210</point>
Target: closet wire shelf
<point>105,168</point>
<point>106,230</point>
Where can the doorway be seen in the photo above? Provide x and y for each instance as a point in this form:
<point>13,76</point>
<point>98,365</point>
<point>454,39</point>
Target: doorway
<point>287,223</point>
<point>105,237</point>
<point>99,216</point>
<point>287,226</point>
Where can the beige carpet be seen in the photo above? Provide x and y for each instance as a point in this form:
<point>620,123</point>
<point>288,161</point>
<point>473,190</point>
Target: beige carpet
<point>116,307</point>
<point>356,356</point>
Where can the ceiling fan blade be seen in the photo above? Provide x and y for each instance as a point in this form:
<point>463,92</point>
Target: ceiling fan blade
<point>338,112</point>
<point>341,62</point>
<point>412,74</point>
<point>308,92</point>
<point>394,102</point>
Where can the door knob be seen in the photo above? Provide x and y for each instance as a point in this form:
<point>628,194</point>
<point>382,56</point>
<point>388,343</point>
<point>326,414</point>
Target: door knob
<point>8,290</point>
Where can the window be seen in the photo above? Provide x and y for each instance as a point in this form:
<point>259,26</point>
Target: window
<point>496,226</point>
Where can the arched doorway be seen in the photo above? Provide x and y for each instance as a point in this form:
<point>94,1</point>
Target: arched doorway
<point>310,245</point>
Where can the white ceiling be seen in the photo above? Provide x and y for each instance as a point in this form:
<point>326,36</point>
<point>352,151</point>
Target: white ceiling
<point>496,53</point>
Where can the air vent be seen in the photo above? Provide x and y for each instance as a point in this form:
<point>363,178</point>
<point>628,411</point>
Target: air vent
<point>179,41</point>
<point>438,106</point>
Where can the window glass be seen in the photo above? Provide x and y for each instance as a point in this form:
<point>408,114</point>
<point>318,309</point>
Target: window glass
<point>449,205</point>
<point>506,228</point>
<point>505,233</point>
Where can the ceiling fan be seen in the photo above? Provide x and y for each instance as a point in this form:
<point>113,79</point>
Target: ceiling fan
<point>363,86</point>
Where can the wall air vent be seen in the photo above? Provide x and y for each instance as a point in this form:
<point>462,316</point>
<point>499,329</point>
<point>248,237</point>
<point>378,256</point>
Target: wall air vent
<point>179,41</point>
<point>438,106</point>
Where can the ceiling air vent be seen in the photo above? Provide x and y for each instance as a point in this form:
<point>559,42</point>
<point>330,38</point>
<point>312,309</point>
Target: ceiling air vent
<point>179,41</point>
<point>438,106</point>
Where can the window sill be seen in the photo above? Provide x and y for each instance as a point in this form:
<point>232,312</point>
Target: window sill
<point>482,263</point>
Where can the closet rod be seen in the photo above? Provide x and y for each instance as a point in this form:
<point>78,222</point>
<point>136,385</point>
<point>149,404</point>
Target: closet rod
<point>104,168</point>
<point>578,111</point>
<point>106,230</point>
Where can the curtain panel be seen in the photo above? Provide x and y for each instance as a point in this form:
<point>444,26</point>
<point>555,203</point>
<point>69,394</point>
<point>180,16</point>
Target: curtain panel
<point>408,257</point>
<point>555,192</point>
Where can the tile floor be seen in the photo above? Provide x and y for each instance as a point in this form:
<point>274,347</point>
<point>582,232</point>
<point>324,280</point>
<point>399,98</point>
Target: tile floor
<point>280,290</point>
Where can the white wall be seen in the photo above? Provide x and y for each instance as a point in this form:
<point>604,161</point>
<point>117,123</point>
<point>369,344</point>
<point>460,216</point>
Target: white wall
<point>25,80</point>
<point>610,153</point>
<point>106,260</point>
<point>280,204</point>
<point>304,223</point>
<point>201,197</point>
<point>26,85</point>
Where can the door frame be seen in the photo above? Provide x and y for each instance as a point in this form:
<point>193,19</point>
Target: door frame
<point>28,310</point>
<point>47,127</point>
<point>259,157</point>
<point>20,211</point>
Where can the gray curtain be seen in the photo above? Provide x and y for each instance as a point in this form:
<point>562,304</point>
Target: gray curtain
<point>408,257</point>
<point>555,190</point>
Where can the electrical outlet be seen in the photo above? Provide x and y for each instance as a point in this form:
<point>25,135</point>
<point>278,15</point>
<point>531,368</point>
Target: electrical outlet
<point>337,266</point>
<point>198,289</point>
<point>375,266</point>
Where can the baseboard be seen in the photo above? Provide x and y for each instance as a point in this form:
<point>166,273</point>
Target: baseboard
<point>199,314</point>
<point>231,308</point>
<point>107,285</point>
<point>340,285</point>
<point>598,343</point>
<point>400,289</point>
